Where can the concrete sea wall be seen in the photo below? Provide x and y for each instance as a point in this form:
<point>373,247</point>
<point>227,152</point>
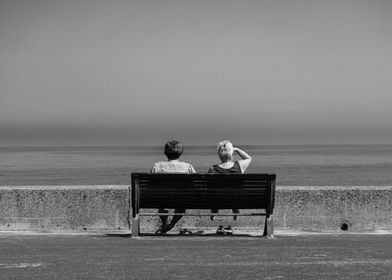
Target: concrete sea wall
<point>64,208</point>
<point>107,208</point>
<point>358,209</point>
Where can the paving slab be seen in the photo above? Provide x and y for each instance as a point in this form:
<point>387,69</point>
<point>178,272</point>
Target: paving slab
<point>116,256</point>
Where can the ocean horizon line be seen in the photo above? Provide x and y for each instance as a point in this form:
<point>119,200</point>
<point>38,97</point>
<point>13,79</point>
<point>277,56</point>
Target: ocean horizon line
<point>190,145</point>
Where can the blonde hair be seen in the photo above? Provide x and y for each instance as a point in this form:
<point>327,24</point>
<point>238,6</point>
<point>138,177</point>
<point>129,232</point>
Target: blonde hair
<point>225,150</point>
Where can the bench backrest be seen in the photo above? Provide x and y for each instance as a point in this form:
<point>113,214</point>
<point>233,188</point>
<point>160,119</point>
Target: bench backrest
<point>204,191</point>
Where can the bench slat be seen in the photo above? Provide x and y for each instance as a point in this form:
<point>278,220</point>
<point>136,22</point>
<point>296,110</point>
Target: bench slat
<point>203,214</point>
<point>204,191</point>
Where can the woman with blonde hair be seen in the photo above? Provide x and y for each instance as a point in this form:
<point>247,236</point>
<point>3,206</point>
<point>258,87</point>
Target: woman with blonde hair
<point>228,165</point>
<point>226,152</point>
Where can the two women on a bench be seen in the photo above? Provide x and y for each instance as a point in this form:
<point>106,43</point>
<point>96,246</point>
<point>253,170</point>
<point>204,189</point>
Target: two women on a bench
<point>173,151</point>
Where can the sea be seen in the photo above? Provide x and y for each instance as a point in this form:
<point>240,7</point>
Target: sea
<point>294,165</point>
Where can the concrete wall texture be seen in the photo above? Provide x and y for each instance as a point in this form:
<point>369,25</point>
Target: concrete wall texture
<point>59,208</point>
<point>357,209</point>
<point>107,208</point>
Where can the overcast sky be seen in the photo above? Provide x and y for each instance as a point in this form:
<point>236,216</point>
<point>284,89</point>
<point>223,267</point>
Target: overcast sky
<point>96,72</point>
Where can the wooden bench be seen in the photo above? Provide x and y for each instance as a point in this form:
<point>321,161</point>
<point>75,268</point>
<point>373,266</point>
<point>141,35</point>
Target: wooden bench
<point>203,191</point>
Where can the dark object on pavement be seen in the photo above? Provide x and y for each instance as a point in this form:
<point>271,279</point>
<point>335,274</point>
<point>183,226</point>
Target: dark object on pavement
<point>185,231</point>
<point>228,230</point>
<point>220,230</point>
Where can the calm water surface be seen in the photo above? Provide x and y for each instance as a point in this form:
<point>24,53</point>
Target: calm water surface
<point>294,165</point>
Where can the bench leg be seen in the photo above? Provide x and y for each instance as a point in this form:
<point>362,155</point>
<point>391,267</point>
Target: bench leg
<point>135,225</point>
<point>269,227</point>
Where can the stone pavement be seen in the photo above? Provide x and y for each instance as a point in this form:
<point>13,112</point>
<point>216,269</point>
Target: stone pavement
<point>116,256</point>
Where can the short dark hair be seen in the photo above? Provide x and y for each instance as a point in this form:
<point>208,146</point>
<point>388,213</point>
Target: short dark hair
<point>173,149</point>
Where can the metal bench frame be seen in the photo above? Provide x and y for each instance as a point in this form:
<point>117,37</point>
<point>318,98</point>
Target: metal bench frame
<point>203,191</point>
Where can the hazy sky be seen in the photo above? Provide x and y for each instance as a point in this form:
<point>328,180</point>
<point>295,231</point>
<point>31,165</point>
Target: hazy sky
<point>76,72</point>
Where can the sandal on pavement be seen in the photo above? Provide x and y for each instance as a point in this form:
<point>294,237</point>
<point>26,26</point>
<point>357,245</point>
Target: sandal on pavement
<point>220,230</point>
<point>185,231</point>
<point>228,230</point>
<point>160,232</point>
<point>163,229</point>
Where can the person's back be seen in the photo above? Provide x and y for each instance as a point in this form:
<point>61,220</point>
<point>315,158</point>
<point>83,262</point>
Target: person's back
<point>235,169</point>
<point>172,166</point>
<point>228,166</point>
<point>173,151</point>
